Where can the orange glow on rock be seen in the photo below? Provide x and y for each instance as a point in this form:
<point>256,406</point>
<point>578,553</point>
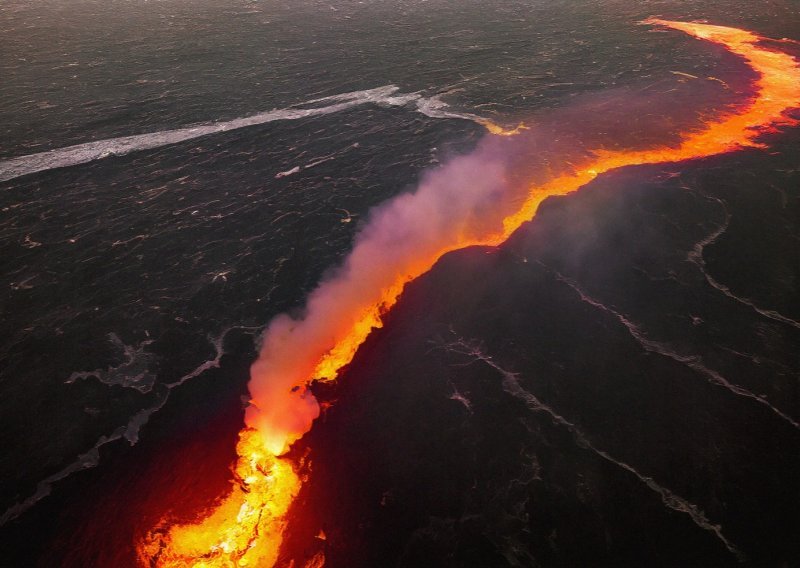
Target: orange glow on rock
<point>777,90</point>
<point>500,131</point>
<point>246,528</point>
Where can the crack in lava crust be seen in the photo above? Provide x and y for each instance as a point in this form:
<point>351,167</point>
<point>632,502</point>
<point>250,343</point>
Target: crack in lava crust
<point>246,528</point>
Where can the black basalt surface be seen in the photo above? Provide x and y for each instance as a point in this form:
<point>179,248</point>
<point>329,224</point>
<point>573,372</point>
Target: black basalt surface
<point>582,395</point>
<point>605,389</point>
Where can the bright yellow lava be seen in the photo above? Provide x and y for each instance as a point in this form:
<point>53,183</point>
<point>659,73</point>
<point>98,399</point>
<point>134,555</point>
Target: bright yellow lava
<point>236,532</point>
<point>246,528</point>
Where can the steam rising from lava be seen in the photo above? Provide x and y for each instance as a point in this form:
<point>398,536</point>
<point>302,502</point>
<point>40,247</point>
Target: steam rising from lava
<point>473,200</point>
<point>454,206</point>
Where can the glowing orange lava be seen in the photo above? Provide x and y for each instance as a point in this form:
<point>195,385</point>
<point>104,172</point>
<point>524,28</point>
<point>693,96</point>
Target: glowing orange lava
<point>777,91</point>
<point>498,130</point>
<point>246,528</point>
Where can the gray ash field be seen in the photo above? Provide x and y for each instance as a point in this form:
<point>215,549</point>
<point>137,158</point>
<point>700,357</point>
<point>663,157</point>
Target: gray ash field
<point>616,385</point>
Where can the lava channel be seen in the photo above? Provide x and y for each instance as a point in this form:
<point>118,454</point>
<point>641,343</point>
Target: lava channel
<point>246,528</point>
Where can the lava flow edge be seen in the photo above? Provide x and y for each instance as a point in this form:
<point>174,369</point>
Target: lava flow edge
<point>246,527</point>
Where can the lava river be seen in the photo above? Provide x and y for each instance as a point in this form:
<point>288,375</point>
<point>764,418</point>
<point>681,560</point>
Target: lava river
<point>472,200</point>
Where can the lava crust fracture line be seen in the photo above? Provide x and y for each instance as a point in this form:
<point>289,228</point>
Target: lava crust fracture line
<point>694,362</point>
<point>512,385</point>
<point>695,256</point>
<point>398,245</point>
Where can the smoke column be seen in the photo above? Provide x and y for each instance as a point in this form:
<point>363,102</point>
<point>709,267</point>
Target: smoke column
<point>474,200</point>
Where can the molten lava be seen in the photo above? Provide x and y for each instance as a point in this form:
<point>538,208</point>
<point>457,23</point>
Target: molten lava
<point>246,528</point>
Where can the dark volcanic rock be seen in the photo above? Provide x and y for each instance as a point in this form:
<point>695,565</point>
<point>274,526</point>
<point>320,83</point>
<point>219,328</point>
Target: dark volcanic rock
<point>586,394</point>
